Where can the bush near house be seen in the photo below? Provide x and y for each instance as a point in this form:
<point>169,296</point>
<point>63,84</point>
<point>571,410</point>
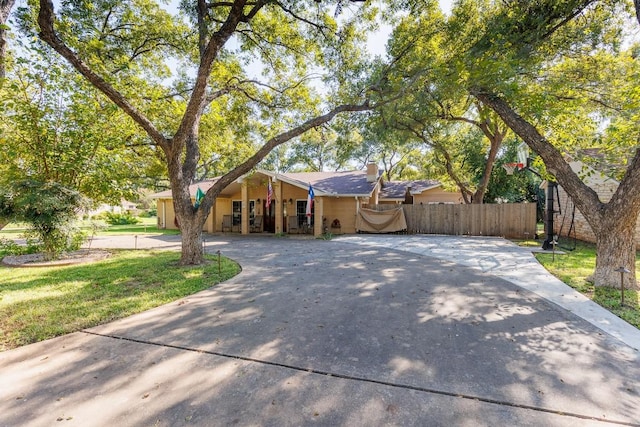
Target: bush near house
<point>120,218</point>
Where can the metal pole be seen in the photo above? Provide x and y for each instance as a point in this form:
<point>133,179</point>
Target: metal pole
<point>622,288</point>
<point>219,266</point>
<point>622,270</point>
<point>548,221</point>
<point>135,244</point>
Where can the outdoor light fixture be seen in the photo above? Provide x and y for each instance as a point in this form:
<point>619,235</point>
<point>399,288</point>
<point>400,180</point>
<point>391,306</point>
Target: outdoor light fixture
<point>290,201</point>
<point>258,200</point>
<point>622,270</point>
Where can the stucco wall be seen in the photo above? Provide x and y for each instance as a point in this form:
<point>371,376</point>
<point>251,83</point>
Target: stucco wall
<point>167,216</point>
<point>437,195</point>
<point>344,210</point>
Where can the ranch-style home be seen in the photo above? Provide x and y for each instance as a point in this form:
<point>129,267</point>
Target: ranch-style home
<point>339,203</point>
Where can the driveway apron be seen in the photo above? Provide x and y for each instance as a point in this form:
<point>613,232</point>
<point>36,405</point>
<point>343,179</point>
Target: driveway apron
<point>332,333</point>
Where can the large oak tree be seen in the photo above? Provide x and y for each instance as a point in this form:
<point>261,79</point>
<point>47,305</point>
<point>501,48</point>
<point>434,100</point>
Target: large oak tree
<point>555,73</point>
<point>535,39</point>
<point>282,35</point>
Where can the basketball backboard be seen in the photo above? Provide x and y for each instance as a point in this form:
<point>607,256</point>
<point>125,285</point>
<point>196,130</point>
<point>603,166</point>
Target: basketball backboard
<point>523,154</point>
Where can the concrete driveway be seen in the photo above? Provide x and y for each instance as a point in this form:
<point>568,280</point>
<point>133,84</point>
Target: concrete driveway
<point>350,332</point>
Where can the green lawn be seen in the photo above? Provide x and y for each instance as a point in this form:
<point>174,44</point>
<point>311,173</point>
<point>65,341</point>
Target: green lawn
<point>575,266</point>
<point>146,226</point>
<point>41,303</point>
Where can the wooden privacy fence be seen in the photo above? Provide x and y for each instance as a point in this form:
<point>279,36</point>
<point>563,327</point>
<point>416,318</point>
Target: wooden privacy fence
<point>514,220</point>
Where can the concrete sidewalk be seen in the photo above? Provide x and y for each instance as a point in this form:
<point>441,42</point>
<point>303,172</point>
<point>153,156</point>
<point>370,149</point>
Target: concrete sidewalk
<point>339,332</point>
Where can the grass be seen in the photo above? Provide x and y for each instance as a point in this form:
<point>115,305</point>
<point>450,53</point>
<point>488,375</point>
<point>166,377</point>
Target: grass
<point>146,226</point>
<point>41,303</point>
<point>575,266</point>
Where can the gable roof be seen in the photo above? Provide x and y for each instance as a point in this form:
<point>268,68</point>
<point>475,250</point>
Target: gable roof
<point>204,186</point>
<point>349,183</point>
<point>396,190</point>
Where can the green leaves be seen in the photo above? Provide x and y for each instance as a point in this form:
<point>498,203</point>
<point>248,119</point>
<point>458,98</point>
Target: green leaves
<point>61,130</point>
<point>49,208</point>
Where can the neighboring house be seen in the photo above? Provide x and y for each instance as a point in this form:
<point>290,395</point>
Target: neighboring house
<point>603,185</point>
<point>339,196</point>
<point>421,192</point>
<point>125,206</point>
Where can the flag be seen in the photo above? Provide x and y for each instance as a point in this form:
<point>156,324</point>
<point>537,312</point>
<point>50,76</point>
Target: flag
<point>309,204</point>
<point>199,197</point>
<point>269,195</point>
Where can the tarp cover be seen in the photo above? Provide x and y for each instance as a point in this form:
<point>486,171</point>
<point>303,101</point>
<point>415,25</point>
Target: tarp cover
<point>388,221</point>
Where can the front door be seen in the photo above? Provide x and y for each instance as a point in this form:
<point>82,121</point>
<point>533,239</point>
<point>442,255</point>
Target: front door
<point>269,217</point>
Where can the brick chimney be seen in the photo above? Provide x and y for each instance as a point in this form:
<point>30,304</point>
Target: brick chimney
<point>372,172</point>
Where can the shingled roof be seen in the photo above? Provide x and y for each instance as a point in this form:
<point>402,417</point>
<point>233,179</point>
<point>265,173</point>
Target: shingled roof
<point>350,183</point>
<point>396,190</point>
<point>204,186</point>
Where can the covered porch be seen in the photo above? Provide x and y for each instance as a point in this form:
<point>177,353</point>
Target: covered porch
<point>242,207</point>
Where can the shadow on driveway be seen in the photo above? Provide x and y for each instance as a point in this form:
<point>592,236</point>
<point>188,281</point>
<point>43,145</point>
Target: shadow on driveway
<point>333,334</point>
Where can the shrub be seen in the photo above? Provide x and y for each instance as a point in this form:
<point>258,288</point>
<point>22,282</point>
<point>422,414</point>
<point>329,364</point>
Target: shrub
<point>120,218</point>
<point>9,247</point>
<point>149,213</point>
<point>49,209</point>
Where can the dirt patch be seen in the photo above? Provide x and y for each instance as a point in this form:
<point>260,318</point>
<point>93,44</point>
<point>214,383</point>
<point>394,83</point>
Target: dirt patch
<point>38,260</point>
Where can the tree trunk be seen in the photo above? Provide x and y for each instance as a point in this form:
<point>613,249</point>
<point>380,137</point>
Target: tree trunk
<point>615,248</point>
<point>191,222</point>
<point>192,250</point>
<point>495,141</point>
<point>490,127</point>
<point>5,10</point>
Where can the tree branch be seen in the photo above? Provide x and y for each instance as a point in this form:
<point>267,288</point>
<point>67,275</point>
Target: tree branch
<point>272,143</point>
<point>47,33</point>
<point>198,96</point>
<point>552,158</point>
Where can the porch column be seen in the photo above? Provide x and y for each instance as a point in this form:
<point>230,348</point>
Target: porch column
<point>277,191</point>
<point>244,214</point>
<point>318,213</point>
<point>211,219</point>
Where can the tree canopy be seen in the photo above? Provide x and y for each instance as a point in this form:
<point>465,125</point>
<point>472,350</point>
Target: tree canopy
<point>214,44</point>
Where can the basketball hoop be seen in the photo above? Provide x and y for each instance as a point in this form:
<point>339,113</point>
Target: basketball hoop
<point>511,167</point>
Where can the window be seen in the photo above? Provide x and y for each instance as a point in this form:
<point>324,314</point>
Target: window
<point>236,211</point>
<point>252,211</point>
<point>301,212</point>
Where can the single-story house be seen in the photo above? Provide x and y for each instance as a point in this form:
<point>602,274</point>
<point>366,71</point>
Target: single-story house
<point>125,206</point>
<point>419,192</point>
<point>338,198</point>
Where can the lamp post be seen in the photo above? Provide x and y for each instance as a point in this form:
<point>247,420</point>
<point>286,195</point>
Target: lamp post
<point>622,270</point>
<point>552,188</point>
